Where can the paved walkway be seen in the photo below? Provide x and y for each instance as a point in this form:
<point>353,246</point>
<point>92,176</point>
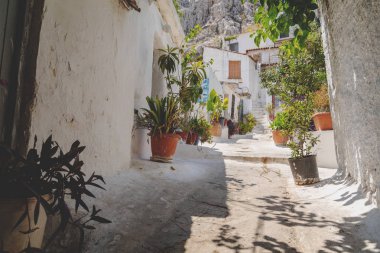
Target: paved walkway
<point>223,199</point>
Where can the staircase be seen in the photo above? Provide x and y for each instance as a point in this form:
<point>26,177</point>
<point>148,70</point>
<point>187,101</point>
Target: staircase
<point>262,121</point>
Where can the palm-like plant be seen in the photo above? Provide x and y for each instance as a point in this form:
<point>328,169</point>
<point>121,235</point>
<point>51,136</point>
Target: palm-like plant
<point>216,106</point>
<point>161,117</point>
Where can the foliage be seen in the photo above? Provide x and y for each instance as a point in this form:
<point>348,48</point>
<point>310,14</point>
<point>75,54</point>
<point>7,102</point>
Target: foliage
<point>193,33</point>
<point>229,38</point>
<point>177,7</point>
<point>298,73</point>
<point>202,127</point>
<point>216,106</point>
<point>248,123</point>
<point>186,70</point>
<point>302,140</point>
<point>270,109</point>
<point>162,116</point>
<point>280,122</point>
<point>321,100</point>
<point>277,16</point>
<point>56,173</point>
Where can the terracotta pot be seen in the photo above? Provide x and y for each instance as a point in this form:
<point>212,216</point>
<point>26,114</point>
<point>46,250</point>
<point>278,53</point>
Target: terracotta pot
<point>216,130</point>
<point>279,138</point>
<point>304,170</point>
<point>13,241</point>
<point>164,147</point>
<point>323,121</point>
<point>183,135</point>
<point>192,138</point>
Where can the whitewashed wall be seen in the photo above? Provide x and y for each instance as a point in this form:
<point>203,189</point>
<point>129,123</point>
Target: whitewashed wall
<point>94,67</point>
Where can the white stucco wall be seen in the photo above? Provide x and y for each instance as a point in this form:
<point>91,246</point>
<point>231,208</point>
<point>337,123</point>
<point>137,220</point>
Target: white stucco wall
<point>351,45</point>
<point>249,73</point>
<point>94,67</point>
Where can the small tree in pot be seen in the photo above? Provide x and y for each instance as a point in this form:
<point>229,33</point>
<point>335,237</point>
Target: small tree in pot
<point>303,162</point>
<point>161,118</point>
<point>215,107</point>
<point>38,185</point>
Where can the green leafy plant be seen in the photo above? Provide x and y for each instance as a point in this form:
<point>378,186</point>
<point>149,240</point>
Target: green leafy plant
<point>280,122</point>
<point>202,127</point>
<point>56,173</point>
<point>229,38</point>
<point>216,106</point>
<point>297,74</point>
<point>302,140</point>
<point>161,117</point>
<point>248,123</point>
<point>276,17</point>
<point>321,100</point>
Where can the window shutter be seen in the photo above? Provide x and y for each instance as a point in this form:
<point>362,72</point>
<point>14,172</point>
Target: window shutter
<point>234,70</point>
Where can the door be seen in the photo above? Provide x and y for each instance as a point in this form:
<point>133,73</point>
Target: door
<point>9,45</point>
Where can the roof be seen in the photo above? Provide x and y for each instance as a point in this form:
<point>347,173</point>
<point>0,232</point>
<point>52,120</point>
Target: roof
<point>225,50</point>
<point>261,48</point>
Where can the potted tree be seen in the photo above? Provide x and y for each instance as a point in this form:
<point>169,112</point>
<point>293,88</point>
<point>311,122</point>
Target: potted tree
<point>38,185</point>
<point>271,111</point>
<point>215,107</point>
<point>322,116</point>
<point>161,118</point>
<point>303,163</point>
<point>279,126</point>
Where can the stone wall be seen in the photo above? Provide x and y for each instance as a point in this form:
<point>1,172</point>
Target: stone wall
<point>351,34</point>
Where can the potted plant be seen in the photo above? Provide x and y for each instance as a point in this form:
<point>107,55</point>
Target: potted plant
<point>248,123</point>
<point>279,126</point>
<point>38,185</point>
<point>161,118</point>
<point>271,111</point>
<point>303,162</point>
<point>200,130</point>
<point>215,107</point>
<point>322,116</point>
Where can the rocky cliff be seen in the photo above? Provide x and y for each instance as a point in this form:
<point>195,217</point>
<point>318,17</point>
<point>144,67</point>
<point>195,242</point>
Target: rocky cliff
<point>218,18</point>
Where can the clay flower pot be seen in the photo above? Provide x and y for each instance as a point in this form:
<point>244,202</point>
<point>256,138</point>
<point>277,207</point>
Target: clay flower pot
<point>304,170</point>
<point>192,138</point>
<point>164,147</point>
<point>216,130</point>
<point>279,138</point>
<point>323,121</point>
<point>183,135</point>
<point>13,241</point>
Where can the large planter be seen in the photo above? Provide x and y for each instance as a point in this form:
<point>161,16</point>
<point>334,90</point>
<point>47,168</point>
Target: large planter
<point>304,170</point>
<point>216,130</point>
<point>13,240</point>
<point>184,135</point>
<point>192,138</point>
<point>279,138</point>
<point>323,121</point>
<point>164,147</point>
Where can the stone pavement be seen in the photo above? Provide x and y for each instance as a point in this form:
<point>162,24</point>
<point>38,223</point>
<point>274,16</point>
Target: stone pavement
<point>220,199</point>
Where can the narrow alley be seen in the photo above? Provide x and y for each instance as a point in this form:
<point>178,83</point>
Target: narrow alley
<point>209,201</point>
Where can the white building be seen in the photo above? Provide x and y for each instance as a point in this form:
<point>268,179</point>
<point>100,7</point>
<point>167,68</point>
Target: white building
<point>238,75</point>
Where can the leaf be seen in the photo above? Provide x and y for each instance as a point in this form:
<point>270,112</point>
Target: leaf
<point>100,219</point>
<point>37,212</point>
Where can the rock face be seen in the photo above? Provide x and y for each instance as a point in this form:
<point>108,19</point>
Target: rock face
<point>218,18</point>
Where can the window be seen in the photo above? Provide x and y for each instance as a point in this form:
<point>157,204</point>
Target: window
<point>234,47</point>
<point>234,70</point>
<point>284,35</point>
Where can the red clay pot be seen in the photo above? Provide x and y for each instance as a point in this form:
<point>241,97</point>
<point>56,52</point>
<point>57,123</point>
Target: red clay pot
<point>164,147</point>
<point>183,135</point>
<point>192,138</point>
<point>323,121</point>
<point>278,138</point>
<point>216,130</point>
